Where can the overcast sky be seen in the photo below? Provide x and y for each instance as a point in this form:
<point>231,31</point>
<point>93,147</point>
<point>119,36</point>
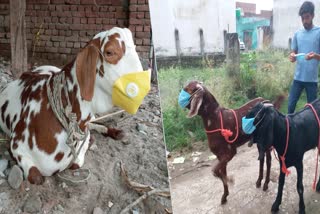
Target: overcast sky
<point>261,4</point>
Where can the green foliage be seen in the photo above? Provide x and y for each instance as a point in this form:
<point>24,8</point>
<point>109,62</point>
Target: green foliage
<point>248,71</point>
<point>180,131</point>
<point>266,74</point>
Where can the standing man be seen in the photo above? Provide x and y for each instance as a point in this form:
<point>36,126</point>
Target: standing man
<point>306,40</point>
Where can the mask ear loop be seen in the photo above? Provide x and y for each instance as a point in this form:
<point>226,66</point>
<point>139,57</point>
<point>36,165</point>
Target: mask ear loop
<point>192,95</point>
<point>103,58</point>
<point>261,118</point>
<point>189,100</point>
<point>101,54</point>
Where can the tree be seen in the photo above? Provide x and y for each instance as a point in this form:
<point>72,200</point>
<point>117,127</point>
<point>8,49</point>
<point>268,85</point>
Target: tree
<point>18,37</point>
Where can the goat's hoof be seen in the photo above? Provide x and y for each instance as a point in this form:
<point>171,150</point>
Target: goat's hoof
<point>37,180</point>
<point>35,176</point>
<point>265,187</point>
<point>318,187</point>
<point>223,200</point>
<point>275,208</point>
<point>115,134</point>
<point>74,166</point>
<point>302,211</point>
<point>258,184</point>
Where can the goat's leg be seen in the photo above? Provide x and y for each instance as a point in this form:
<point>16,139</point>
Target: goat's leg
<point>277,202</point>
<point>266,182</point>
<point>258,183</point>
<point>227,178</point>
<point>225,192</point>
<point>220,171</point>
<point>30,171</point>
<point>116,134</point>
<point>299,168</point>
<point>318,185</point>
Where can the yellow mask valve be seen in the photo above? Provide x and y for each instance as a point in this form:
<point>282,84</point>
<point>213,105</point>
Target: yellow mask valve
<point>130,89</point>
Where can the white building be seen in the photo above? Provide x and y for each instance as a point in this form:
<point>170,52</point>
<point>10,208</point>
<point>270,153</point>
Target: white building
<point>286,20</point>
<point>188,17</point>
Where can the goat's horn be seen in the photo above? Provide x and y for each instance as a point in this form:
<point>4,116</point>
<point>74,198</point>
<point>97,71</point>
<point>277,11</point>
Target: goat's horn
<point>267,104</point>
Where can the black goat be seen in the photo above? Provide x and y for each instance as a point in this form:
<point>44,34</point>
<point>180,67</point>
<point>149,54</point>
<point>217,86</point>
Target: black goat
<point>303,136</point>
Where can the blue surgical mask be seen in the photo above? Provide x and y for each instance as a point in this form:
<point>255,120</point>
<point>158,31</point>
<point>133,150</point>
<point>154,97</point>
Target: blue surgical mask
<point>184,98</point>
<point>247,125</point>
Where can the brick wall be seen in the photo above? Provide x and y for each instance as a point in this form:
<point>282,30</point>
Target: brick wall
<point>4,28</point>
<point>139,22</point>
<point>57,29</point>
<point>266,14</point>
<point>246,7</point>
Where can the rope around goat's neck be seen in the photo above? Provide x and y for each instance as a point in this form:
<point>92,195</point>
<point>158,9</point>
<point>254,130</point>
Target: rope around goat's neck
<point>66,117</point>
<point>5,78</point>
<point>226,133</point>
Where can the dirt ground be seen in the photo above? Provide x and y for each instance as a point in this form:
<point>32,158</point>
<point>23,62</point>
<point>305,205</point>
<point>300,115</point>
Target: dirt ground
<point>143,153</point>
<point>195,190</point>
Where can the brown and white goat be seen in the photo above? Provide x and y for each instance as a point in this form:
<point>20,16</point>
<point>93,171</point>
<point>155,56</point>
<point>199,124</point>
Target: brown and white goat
<point>38,140</point>
<point>204,104</point>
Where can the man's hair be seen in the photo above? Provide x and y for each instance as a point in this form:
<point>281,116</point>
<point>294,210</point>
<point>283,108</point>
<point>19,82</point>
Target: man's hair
<point>306,7</point>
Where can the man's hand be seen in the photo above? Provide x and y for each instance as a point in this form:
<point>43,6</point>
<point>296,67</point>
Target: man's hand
<point>292,57</point>
<point>312,55</point>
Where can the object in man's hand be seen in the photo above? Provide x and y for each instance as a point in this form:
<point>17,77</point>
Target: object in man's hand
<point>300,56</point>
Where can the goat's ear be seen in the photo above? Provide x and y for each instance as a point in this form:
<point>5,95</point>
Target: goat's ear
<point>86,63</point>
<point>195,104</point>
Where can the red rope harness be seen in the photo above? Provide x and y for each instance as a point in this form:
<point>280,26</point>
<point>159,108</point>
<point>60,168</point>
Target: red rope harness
<point>226,133</point>
<point>282,157</point>
<point>316,172</point>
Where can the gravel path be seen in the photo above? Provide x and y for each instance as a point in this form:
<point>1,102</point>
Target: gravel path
<point>195,190</point>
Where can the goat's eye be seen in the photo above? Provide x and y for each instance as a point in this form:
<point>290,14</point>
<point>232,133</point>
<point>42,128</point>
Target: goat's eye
<point>109,53</point>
